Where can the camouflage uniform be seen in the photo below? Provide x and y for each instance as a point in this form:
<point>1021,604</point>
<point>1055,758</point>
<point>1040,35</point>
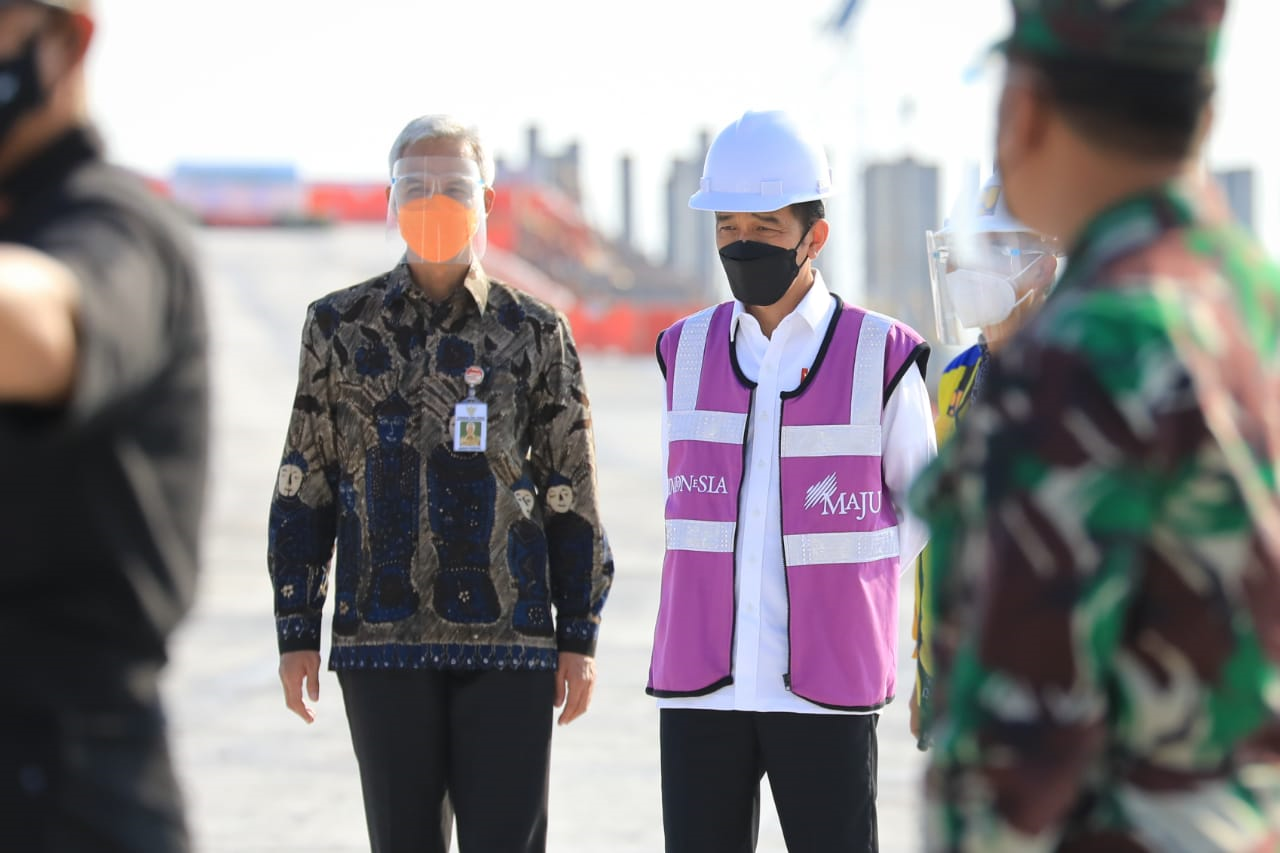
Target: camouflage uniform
<point>1106,594</point>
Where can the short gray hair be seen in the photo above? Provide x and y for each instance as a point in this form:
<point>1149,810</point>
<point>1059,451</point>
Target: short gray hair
<point>443,127</point>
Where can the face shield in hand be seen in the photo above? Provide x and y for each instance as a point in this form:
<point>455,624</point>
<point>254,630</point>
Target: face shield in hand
<point>438,206</point>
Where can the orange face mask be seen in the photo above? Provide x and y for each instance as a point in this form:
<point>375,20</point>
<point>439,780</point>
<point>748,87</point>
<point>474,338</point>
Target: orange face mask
<point>437,228</point>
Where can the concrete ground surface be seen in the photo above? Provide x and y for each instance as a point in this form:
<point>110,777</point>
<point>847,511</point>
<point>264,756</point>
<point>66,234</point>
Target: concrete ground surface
<point>255,776</point>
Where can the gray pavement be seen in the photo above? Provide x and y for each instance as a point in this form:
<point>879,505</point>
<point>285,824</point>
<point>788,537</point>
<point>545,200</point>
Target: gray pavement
<point>257,778</point>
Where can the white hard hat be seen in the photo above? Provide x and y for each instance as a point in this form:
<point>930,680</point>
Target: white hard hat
<point>987,214</point>
<point>762,162</point>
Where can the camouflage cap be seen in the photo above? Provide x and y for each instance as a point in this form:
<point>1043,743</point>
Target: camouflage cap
<point>1157,35</point>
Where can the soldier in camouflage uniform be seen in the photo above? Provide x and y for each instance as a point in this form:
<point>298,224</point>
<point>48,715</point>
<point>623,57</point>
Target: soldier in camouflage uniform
<point>1106,598</point>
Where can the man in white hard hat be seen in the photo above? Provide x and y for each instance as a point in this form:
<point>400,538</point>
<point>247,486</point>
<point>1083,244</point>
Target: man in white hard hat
<point>990,274</point>
<point>794,425</point>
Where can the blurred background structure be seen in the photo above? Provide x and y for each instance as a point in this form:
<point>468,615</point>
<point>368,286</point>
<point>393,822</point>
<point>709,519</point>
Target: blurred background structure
<point>279,116</point>
<point>617,296</point>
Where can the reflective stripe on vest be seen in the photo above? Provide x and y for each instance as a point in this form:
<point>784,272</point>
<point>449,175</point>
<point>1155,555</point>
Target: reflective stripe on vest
<point>715,427</point>
<point>860,437</point>
<point>709,537</point>
<point>839,528</point>
<point>688,367</point>
<point>687,423</point>
<point>705,428</point>
<point>822,549</point>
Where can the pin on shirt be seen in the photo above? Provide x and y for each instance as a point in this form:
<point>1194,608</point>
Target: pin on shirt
<point>471,417</point>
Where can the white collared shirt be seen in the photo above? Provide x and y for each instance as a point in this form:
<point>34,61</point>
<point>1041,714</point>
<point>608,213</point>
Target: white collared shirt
<point>776,364</point>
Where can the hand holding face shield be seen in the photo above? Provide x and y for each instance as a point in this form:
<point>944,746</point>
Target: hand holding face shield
<point>987,269</point>
<point>438,206</point>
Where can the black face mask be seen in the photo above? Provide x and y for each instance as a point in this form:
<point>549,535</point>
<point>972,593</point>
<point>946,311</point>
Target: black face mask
<point>759,273</point>
<point>19,87</point>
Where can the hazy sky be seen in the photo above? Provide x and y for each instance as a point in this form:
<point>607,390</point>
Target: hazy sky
<point>284,81</point>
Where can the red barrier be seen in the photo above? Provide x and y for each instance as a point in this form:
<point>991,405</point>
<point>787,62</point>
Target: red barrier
<point>624,328</point>
<point>366,202</point>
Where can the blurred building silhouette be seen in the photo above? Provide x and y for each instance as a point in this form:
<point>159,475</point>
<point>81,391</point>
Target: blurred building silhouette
<point>691,246</point>
<point>616,295</point>
<point>626,198</point>
<point>562,171</point>
<point>538,217</point>
<point>900,204</point>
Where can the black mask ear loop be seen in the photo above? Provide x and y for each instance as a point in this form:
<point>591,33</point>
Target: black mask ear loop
<point>806,260</point>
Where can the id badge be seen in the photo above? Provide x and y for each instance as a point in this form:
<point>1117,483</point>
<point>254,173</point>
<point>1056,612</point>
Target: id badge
<point>471,426</point>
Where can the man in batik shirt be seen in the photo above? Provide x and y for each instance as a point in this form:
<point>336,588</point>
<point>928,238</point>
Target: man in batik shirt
<point>427,398</point>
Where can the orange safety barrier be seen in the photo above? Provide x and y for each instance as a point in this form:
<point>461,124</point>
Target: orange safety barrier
<point>347,202</point>
<point>624,327</point>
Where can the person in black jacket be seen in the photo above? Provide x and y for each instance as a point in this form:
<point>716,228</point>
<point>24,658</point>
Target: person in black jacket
<point>103,435</point>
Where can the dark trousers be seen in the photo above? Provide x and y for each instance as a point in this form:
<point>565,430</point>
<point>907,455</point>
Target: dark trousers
<point>483,739</point>
<point>822,771</point>
<point>88,781</point>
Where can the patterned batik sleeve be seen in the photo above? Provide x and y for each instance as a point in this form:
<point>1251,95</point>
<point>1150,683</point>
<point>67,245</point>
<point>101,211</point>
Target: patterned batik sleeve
<point>562,454</point>
<point>303,515</point>
<point>1050,465</point>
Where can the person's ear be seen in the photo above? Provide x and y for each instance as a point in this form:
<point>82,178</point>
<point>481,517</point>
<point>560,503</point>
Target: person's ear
<point>82,28</point>
<point>68,43</point>
<point>819,232</point>
<point>62,47</point>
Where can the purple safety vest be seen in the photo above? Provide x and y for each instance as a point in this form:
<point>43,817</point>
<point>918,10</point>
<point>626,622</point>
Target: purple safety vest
<point>839,529</point>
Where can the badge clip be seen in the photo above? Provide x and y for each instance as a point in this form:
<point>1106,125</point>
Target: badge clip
<point>471,416</point>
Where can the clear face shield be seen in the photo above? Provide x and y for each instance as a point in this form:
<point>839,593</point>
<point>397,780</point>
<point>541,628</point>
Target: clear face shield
<point>980,281</point>
<point>437,204</point>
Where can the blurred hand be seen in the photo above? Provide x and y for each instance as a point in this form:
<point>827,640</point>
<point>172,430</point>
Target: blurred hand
<point>295,669</point>
<point>576,677</point>
<point>914,705</point>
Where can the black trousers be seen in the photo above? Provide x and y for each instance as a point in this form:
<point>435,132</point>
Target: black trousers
<point>88,781</point>
<point>481,739</point>
<point>822,771</point>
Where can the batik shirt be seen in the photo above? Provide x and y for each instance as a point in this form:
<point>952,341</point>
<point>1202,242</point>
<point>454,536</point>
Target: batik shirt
<point>445,559</point>
<point>1106,595</point>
